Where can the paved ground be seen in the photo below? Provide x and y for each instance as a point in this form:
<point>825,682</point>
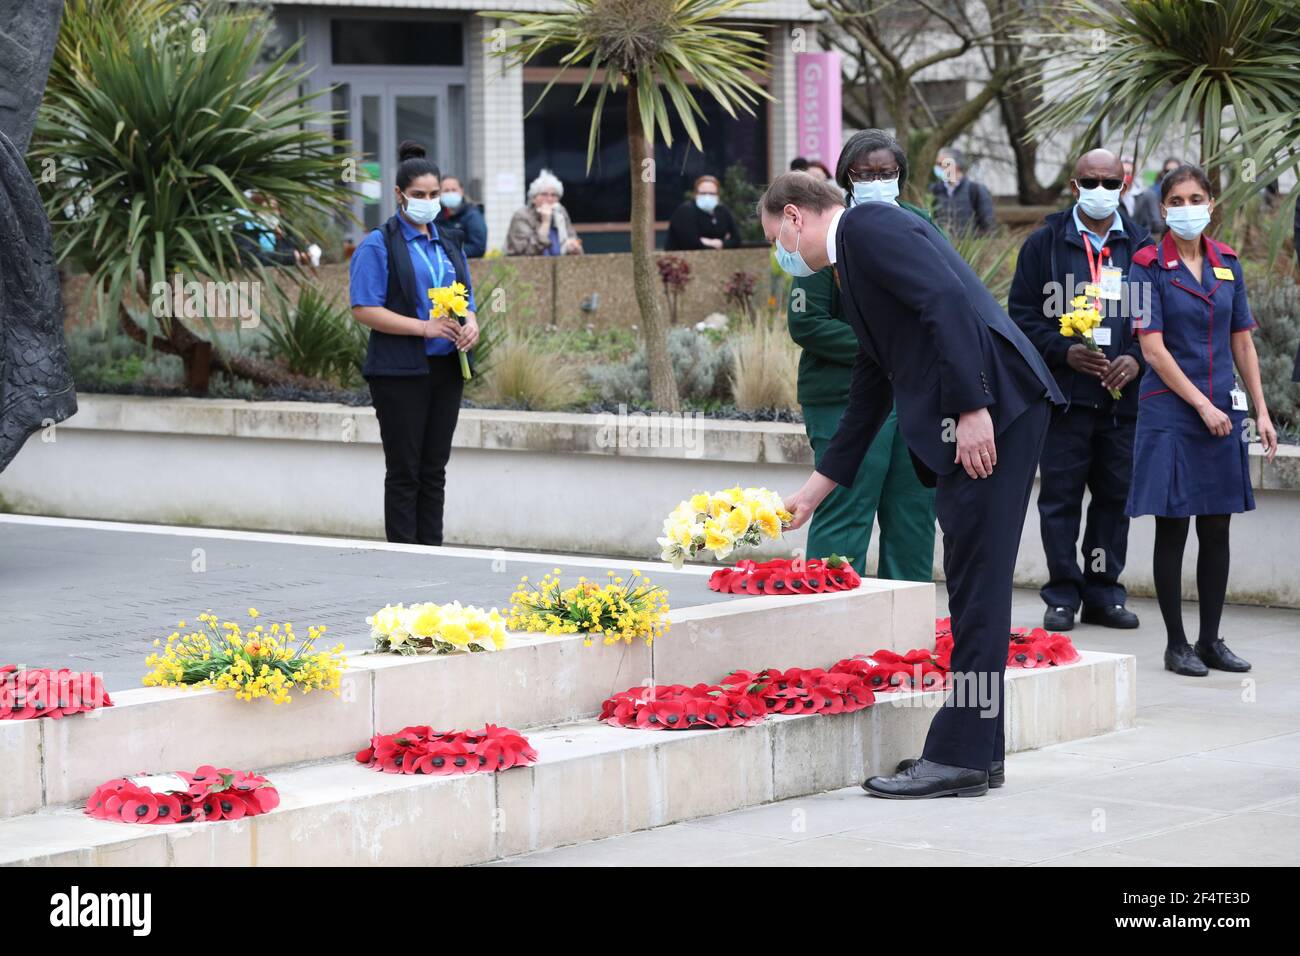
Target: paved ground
<point>96,599</point>
<point>1211,776</point>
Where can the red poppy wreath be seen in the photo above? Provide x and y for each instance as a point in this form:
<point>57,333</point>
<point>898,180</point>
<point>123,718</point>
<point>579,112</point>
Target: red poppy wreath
<point>206,795</point>
<point>43,692</point>
<point>782,576</point>
<point>425,750</point>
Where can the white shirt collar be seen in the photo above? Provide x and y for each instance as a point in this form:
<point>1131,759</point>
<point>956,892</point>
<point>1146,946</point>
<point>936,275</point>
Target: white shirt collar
<point>831,231</point>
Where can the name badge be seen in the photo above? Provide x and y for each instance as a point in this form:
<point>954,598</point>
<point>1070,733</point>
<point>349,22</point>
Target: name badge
<point>1101,335</point>
<point>1112,279</point>
<point>1223,272</point>
<point>1238,399</point>
<point>1092,290</point>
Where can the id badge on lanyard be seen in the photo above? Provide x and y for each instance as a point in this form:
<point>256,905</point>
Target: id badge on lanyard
<point>1106,284</point>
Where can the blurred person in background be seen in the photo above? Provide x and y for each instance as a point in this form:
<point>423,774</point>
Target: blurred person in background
<point>961,205</point>
<point>702,222</point>
<point>543,226</point>
<point>459,213</point>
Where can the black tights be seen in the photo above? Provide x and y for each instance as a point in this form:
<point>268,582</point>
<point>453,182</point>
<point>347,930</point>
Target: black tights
<point>1211,573</point>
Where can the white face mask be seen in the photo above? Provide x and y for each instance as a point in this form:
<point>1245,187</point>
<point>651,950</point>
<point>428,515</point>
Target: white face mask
<point>1098,203</point>
<point>1187,222</point>
<point>420,211</point>
<point>451,200</point>
<point>883,190</point>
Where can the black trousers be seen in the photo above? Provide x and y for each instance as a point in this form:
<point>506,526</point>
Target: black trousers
<point>981,520</point>
<point>417,416</point>
<point>1085,448</point>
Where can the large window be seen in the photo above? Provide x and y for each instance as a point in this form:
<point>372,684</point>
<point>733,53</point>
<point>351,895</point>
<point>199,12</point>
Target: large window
<point>555,138</point>
<point>396,43</point>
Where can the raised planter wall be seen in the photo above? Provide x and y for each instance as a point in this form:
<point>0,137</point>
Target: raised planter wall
<point>521,480</point>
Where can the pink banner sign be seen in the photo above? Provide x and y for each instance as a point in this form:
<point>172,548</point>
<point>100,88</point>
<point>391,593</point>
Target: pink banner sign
<point>818,102</point>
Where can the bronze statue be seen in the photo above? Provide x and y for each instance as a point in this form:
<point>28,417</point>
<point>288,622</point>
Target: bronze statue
<point>35,385</point>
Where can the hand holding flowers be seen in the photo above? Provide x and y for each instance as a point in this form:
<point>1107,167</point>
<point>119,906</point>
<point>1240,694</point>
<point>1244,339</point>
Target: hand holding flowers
<point>1080,321</point>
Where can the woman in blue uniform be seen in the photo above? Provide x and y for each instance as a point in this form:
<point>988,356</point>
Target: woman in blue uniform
<point>411,363</point>
<point>1190,449</point>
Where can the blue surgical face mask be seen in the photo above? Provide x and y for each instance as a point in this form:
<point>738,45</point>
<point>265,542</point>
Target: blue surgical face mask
<point>884,190</point>
<point>1187,222</point>
<point>451,200</point>
<point>706,202</point>
<point>792,263</point>
<point>1098,203</point>
<point>940,172</point>
<point>421,211</point>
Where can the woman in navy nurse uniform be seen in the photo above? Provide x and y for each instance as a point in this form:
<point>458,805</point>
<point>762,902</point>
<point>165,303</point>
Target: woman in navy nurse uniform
<point>1190,449</point>
<point>411,363</point>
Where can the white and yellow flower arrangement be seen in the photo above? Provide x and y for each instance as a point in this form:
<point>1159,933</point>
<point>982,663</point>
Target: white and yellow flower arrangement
<point>722,521</point>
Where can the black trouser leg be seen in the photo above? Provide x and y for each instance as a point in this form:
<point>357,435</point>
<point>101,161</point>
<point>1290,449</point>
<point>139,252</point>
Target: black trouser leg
<point>445,386</point>
<point>1212,556</point>
<point>981,521</point>
<point>1063,471</point>
<point>402,407</point>
<point>1105,539</point>
<point>1167,570</point>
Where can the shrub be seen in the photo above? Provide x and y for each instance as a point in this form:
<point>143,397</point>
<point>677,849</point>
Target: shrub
<point>1276,307</point>
<point>316,337</point>
<point>699,362</point>
<point>525,375</point>
<point>765,367</point>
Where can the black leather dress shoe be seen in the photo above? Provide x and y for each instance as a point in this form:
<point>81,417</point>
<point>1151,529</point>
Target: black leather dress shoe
<point>997,771</point>
<point>926,779</point>
<point>1113,615</point>
<point>1183,660</point>
<point>1059,618</point>
<point>1217,655</point>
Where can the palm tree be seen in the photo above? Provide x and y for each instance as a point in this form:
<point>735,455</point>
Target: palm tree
<point>157,119</point>
<point>658,50</point>
<point>1222,69</point>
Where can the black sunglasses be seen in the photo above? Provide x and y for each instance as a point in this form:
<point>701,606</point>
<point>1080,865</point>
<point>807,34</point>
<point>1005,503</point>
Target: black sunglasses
<point>1094,183</point>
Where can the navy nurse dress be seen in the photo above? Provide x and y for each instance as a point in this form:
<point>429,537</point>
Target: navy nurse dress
<point>1179,468</point>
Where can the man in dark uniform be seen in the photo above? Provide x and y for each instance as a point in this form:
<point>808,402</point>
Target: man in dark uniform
<point>1090,441</point>
<point>973,398</point>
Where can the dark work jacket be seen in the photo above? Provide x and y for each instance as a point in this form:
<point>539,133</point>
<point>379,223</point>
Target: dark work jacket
<point>404,354</point>
<point>931,338</point>
<point>1051,255</point>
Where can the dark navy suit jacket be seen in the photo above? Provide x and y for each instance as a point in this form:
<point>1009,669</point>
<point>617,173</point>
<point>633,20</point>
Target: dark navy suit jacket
<point>930,338</point>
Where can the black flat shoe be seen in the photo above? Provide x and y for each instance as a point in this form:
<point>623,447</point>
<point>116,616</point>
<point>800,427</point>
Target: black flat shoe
<point>926,779</point>
<point>997,771</point>
<point>1183,660</point>
<point>1217,655</point>
<point>1116,615</point>
<point>1059,618</point>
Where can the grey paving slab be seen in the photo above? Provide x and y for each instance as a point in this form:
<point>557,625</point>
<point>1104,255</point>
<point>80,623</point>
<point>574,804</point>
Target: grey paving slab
<point>665,846</point>
<point>95,599</point>
<point>839,851</point>
<point>1256,839</point>
<point>1195,783</point>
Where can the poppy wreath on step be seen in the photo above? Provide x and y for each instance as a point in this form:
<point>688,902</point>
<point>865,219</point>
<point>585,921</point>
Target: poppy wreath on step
<point>885,671</point>
<point>425,750</point>
<point>43,692</point>
<point>206,795</point>
<point>678,707</point>
<point>805,691</point>
<point>782,576</point>
<point>1039,648</point>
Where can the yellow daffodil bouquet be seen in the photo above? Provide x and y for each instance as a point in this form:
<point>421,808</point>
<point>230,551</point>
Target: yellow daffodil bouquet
<point>261,661</point>
<point>721,522</point>
<point>1080,321</point>
<point>617,611</point>
<point>452,300</point>
<point>436,629</point>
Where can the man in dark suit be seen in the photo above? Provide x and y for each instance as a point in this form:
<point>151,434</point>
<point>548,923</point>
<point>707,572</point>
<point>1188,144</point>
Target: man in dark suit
<point>973,399</point>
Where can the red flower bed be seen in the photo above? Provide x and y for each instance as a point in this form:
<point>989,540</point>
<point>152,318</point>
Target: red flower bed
<point>813,576</point>
<point>43,692</point>
<point>425,750</point>
<point>744,697</point>
<point>207,794</point>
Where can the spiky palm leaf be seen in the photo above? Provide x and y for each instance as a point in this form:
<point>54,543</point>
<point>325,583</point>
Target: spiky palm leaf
<point>1158,65</point>
<point>157,120</point>
<point>660,45</point>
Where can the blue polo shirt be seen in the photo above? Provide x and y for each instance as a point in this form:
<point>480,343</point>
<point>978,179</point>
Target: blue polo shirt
<point>368,274</point>
<point>1116,225</point>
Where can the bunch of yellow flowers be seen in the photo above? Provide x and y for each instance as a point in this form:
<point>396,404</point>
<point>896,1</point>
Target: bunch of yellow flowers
<point>448,301</point>
<point>436,628</point>
<point>618,611</point>
<point>721,522</point>
<point>1081,320</point>
<point>261,662</point>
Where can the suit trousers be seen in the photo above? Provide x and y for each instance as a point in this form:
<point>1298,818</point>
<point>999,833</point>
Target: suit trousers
<point>417,416</point>
<point>981,520</point>
<point>1085,448</point>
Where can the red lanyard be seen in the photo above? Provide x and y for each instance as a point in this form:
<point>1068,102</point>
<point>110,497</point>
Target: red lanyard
<point>1094,269</point>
